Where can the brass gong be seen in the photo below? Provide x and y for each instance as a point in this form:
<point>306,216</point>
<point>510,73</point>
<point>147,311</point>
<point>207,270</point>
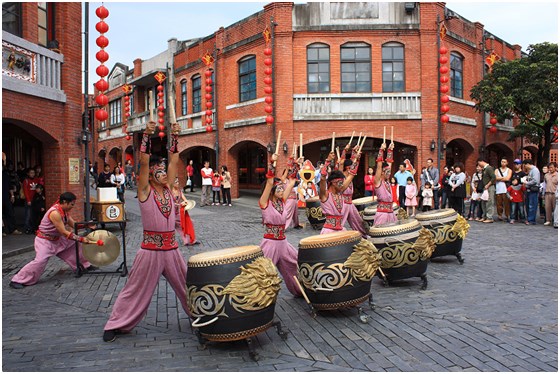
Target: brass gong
<point>101,255</point>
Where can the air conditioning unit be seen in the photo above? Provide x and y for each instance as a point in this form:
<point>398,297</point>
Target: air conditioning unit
<point>409,7</point>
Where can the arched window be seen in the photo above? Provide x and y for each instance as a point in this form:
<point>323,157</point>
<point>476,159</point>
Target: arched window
<point>355,67</point>
<point>393,67</point>
<point>184,97</point>
<point>247,78</point>
<point>196,99</point>
<point>318,68</point>
<point>456,75</point>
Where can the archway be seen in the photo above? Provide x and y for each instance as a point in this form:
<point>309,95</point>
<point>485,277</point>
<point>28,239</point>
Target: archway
<point>497,151</point>
<point>530,152</point>
<point>199,155</point>
<point>116,155</point>
<point>458,150</point>
<point>101,159</point>
<point>251,164</point>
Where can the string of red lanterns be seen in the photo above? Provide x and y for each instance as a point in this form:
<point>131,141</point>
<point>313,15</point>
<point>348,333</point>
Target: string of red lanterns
<point>127,90</point>
<point>160,77</point>
<point>269,109</point>
<point>208,60</point>
<point>493,121</point>
<point>444,80</point>
<point>102,71</point>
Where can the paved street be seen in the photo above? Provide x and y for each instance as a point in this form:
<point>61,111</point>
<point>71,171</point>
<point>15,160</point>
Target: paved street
<point>497,312</point>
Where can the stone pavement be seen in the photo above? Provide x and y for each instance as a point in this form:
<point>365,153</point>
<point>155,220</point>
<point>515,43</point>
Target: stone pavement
<point>497,312</point>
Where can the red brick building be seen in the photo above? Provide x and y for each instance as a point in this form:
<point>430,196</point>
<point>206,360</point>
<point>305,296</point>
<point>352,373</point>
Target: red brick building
<point>337,67</point>
<point>42,92</point>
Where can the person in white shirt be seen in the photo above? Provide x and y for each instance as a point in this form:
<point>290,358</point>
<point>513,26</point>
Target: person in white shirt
<point>117,180</point>
<point>206,173</point>
<point>503,177</point>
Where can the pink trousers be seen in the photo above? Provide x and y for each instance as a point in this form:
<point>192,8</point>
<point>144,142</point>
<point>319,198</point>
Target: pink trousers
<point>63,248</point>
<point>134,299</point>
<point>293,217</point>
<point>355,220</point>
<point>382,217</point>
<point>284,256</point>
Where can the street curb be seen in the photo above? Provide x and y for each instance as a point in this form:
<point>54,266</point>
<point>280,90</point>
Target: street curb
<point>18,251</point>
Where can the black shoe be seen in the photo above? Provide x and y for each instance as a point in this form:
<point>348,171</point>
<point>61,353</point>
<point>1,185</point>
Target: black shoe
<point>16,285</point>
<point>92,268</point>
<point>298,227</point>
<point>109,336</point>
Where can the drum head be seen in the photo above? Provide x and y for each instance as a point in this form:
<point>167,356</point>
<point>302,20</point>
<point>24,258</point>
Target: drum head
<point>225,256</point>
<point>363,200</point>
<point>314,198</point>
<point>437,214</point>
<point>101,255</point>
<point>392,228</point>
<point>330,239</point>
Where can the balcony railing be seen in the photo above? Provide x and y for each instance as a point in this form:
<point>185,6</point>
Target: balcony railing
<point>358,106</point>
<point>30,69</point>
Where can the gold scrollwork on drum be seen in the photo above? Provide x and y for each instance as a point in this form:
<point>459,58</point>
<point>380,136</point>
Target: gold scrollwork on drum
<point>398,253</point>
<point>256,287</point>
<point>425,244</point>
<point>449,233</point>
<point>315,276</point>
<point>364,261</point>
<point>461,227</point>
<point>315,212</point>
<point>402,214</point>
<point>206,301</point>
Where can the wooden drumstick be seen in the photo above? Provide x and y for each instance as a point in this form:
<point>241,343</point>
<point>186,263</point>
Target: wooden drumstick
<point>277,144</point>
<point>332,144</point>
<point>337,153</point>
<point>391,134</point>
<point>302,291</point>
<point>381,271</point>
<point>359,137</point>
<point>151,105</point>
<point>352,137</point>
<point>383,134</point>
<point>363,142</point>
<point>172,115</point>
<point>300,145</point>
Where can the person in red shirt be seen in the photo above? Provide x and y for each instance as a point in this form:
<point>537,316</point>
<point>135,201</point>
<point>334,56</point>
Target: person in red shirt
<point>368,182</point>
<point>515,194</point>
<point>29,185</point>
<point>190,173</point>
<point>216,187</point>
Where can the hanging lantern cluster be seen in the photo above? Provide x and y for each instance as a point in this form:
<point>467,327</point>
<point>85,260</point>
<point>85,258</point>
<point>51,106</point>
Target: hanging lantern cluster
<point>208,60</point>
<point>269,109</point>
<point>493,121</point>
<point>127,90</point>
<point>444,87</point>
<point>102,56</point>
<point>160,77</point>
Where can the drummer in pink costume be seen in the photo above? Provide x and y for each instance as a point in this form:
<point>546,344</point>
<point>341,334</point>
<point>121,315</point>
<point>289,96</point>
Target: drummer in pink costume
<point>353,216</point>
<point>158,254</point>
<point>332,201</point>
<point>291,205</point>
<point>55,237</point>
<point>385,212</point>
<point>273,209</point>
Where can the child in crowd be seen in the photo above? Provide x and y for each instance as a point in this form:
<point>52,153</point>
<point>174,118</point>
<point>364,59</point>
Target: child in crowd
<point>216,187</point>
<point>427,197</point>
<point>309,191</point>
<point>410,191</point>
<point>475,210</point>
<point>515,194</point>
<point>38,206</point>
<point>395,190</point>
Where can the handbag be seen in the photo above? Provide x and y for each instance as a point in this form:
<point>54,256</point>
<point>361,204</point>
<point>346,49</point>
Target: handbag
<point>189,182</point>
<point>534,188</point>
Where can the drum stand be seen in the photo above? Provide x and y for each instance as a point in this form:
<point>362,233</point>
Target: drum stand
<point>250,345</point>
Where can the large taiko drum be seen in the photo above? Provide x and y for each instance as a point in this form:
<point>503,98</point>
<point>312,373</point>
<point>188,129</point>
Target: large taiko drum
<point>405,248</point>
<point>314,212</point>
<point>362,203</point>
<point>231,293</point>
<point>336,269</point>
<point>369,215</point>
<point>448,228</point>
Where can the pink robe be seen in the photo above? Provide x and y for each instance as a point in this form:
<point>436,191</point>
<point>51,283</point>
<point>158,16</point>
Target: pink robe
<point>280,251</point>
<point>158,214</point>
<point>351,212</point>
<point>384,194</point>
<point>291,207</point>
<point>333,207</point>
<point>61,247</point>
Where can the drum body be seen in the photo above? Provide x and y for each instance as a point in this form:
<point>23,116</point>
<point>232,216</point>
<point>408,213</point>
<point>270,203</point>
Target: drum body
<point>448,228</point>
<point>336,269</point>
<point>405,248</point>
<point>314,212</point>
<point>231,293</point>
<point>369,214</point>
<point>362,203</point>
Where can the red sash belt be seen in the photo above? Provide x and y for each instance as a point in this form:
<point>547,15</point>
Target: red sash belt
<point>333,222</point>
<point>385,207</point>
<point>292,195</point>
<point>159,240</point>
<point>275,232</point>
<point>347,199</point>
<point>43,235</point>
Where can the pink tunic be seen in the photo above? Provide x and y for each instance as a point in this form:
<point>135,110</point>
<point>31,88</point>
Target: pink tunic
<point>158,216</point>
<point>58,246</point>
<point>291,206</point>
<point>333,209</point>
<point>279,250</point>
<point>351,212</point>
<point>384,195</point>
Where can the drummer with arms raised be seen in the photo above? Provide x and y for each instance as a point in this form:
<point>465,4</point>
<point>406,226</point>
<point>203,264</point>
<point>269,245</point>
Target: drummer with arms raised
<point>274,244</point>
<point>158,254</point>
<point>382,187</point>
<point>354,219</point>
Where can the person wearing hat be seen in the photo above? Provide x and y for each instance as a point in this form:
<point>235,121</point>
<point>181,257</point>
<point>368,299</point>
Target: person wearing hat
<point>183,223</point>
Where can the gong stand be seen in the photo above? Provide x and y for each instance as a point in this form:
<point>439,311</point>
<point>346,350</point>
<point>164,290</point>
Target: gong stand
<point>80,270</point>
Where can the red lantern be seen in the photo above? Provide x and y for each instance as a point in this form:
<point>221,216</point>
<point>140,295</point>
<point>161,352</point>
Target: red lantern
<point>493,129</point>
<point>444,118</point>
<point>208,120</point>
<point>160,121</point>
<point>268,99</point>
<point>208,73</point>
<point>444,89</point>
<point>268,80</point>
<point>268,109</point>
<point>444,99</point>
<point>102,27</point>
<point>208,81</point>
<point>268,71</point>
<point>102,100</point>
<point>161,134</point>
<point>160,94</point>
<point>127,99</point>
<point>127,137</point>
<point>493,121</point>
<point>102,70</point>
<point>208,112</point>
<point>268,90</point>
<point>102,56</point>
<point>161,114</point>
<point>444,108</point>
<point>127,114</point>
<point>269,119</point>
<point>208,89</point>
<point>268,51</point>
<point>160,107</point>
<point>443,69</point>
<point>102,41</point>
<point>443,51</point>
<point>101,114</point>
<point>208,128</point>
<point>492,114</point>
<point>208,105</point>
<point>208,97</point>
<point>102,12</point>
<point>102,85</point>
<point>268,61</point>
<point>443,60</point>
<point>161,127</point>
<point>444,79</point>
<point>160,101</point>
<point>160,87</point>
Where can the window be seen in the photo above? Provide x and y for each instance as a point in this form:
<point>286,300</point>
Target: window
<point>393,67</point>
<point>184,97</point>
<point>355,66</point>
<point>456,75</point>
<point>115,112</point>
<point>318,68</point>
<point>11,18</point>
<point>247,79</point>
<point>196,100</point>
<point>131,101</point>
<point>45,22</point>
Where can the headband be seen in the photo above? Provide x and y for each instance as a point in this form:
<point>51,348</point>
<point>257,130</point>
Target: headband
<point>157,167</point>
